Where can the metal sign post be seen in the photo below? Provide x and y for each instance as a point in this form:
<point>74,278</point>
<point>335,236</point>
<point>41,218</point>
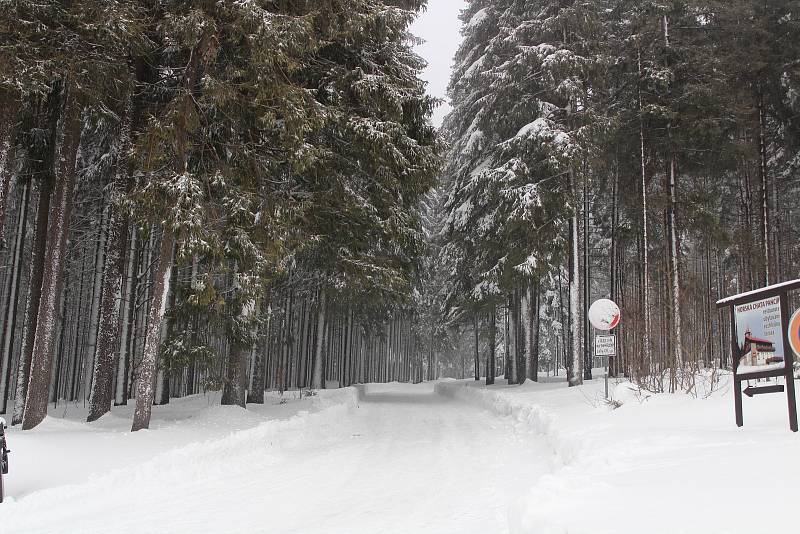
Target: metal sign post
<point>763,344</point>
<point>605,315</point>
<point>605,345</point>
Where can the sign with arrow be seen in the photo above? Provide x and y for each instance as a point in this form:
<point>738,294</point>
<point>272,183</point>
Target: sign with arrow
<point>750,390</point>
<point>763,343</point>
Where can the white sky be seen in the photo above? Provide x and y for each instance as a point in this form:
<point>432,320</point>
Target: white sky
<point>440,28</point>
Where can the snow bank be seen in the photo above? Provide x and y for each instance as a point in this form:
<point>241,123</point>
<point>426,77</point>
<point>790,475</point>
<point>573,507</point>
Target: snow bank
<point>533,416</point>
<point>655,463</point>
<point>186,439</point>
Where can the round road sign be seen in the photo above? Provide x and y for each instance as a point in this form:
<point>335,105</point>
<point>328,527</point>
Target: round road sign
<point>794,332</point>
<point>604,314</point>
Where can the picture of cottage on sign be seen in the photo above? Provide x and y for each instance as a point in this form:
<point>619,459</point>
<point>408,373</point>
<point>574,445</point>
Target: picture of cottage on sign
<point>760,336</point>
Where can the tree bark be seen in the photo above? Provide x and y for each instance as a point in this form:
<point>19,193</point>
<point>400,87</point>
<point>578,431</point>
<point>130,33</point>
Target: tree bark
<point>7,115</point>
<point>67,142</point>
<point>576,365</point>
<point>763,173</point>
<point>9,325</point>
<point>533,349</point>
<point>477,363</point>
<point>235,390</point>
<point>316,382</point>
<point>646,334</point>
<point>34,296</point>
<point>145,386</point>
<point>129,306</point>
<point>108,331</point>
<point>490,360</point>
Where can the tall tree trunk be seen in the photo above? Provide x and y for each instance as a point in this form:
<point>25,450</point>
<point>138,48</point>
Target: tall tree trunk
<point>647,354</point>
<point>533,350</point>
<point>97,296</point>
<point>527,334</point>
<point>145,385</point>
<point>490,360</point>
<point>67,142</point>
<point>477,362</point>
<point>258,375</point>
<point>316,382</point>
<point>108,331</point>
<point>9,324</point>
<point>129,306</point>
<point>34,296</point>
<point>512,339</point>
<point>587,282</point>
<point>763,173</point>
<point>576,364</point>
<point>7,116</point>
<point>235,391</point>
<point>163,267</point>
<point>674,258</point>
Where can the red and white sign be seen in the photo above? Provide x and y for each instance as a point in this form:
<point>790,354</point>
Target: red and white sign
<point>794,332</point>
<point>604,314</point>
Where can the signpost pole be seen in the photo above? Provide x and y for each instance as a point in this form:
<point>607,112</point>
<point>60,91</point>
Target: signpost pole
<point>737,384</point>
<point>788,363</point>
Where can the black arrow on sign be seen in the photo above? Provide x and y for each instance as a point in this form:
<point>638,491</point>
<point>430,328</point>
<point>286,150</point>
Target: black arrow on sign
<point>750,391</point>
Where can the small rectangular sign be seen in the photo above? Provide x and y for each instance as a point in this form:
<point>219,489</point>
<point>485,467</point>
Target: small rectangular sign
<point>605,345</point>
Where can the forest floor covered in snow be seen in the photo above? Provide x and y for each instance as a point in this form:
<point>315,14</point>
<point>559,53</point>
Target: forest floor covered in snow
<point>453,456</point>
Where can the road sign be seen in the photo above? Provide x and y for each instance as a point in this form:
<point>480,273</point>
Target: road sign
<point>794,332</point>
<point>604,314</point>
<point>605,345</point>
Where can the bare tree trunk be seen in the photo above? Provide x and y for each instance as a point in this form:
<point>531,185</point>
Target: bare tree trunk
<point>316,382</point>
<point>129,306</point>
<point>97,295</point>
<point>34,296</point>
<point>145,386</point>
<point>67,142</point>
<point>674,257</point>
<point>533,350</point>
<point>9,326</point>
<point>108,336</point>
<point>235,390</point>
<point>576,365</point>
<point>490,360</point>
<point>587,353</point>
<point>258,376</point>
<point>646,334</point>
<point>477,362</point>
<point>512,339</point>
<point>763,172</point>
<point>7,115</point>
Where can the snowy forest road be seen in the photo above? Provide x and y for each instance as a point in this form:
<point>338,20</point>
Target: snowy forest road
<point>404,460</point>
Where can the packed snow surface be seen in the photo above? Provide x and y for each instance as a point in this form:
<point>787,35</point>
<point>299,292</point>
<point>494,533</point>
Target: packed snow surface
<point>399,459</point>
<point>454,456</point>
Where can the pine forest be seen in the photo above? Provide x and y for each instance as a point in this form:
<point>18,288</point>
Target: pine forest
<point>245,200</point>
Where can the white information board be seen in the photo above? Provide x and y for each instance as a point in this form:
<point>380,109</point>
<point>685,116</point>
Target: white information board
<point>605,345</point>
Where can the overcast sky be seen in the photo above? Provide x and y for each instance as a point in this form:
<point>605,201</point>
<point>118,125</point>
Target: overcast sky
<point>440,28</point>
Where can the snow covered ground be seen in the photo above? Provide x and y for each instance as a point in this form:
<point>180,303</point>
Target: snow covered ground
<point>447,457</point>
<point>400,459</point>
<point>658,464</point>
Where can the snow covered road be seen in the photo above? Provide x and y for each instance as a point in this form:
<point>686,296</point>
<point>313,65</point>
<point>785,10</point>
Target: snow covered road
<point>400,459</point>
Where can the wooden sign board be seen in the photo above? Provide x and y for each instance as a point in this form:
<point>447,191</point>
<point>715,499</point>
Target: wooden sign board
<point>760,343</point>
